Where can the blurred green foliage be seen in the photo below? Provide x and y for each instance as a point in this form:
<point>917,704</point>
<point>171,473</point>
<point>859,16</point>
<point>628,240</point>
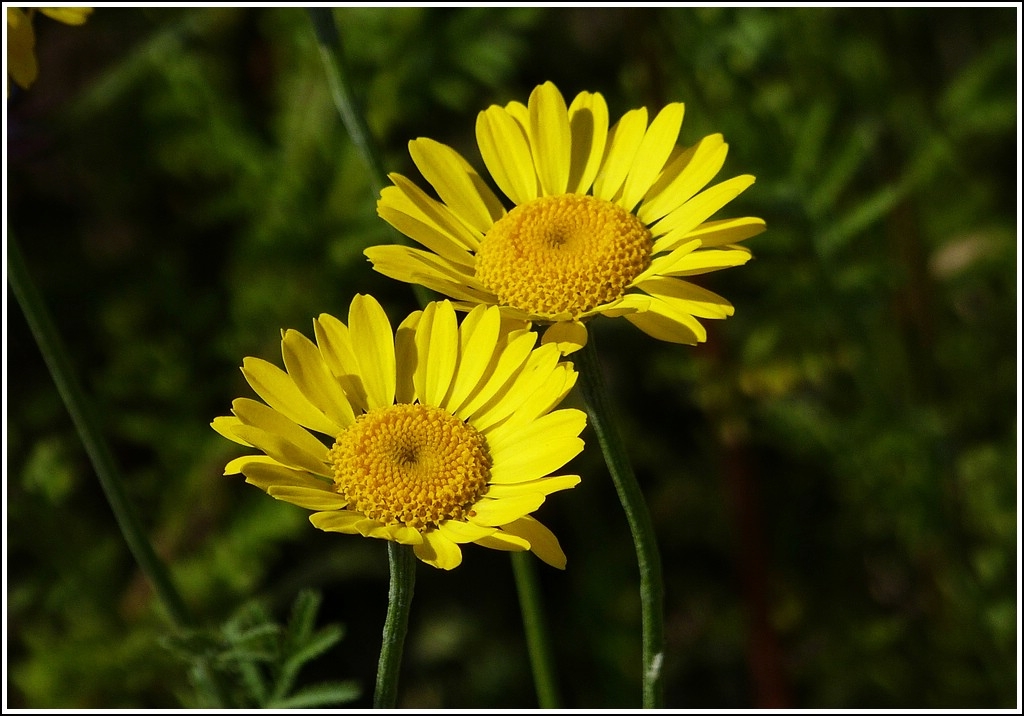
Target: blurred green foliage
<point>832,476</point>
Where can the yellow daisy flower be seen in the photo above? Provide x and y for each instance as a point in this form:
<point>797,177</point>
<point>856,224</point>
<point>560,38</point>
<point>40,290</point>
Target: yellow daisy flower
<point>21,40</point>
<point>440,434</point>
<point>604,221</point>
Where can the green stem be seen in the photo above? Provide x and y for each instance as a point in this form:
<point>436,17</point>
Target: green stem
<point>354,121</point>
<point>536,630</point>
<point>609,435</point>
<point>84,418</point>
<point>402,564</point>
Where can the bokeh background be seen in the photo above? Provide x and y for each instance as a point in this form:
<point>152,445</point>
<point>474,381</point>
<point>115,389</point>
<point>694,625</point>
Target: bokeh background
<point>833,476</point>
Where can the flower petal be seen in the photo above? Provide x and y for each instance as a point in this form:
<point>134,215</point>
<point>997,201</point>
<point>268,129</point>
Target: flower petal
<point>464,532</point>
<point>438,551</point>
<point>499,372</point>
<point>506,154</point>
<point>404,263</point>
<point>370,330</point>
<point>437,341</point>
<point>538,367</point>
<point>560,424</point>
<point>726,231</point>
<point>688,297</point>
<point>674,227</point>
<point>405,358</point>
<point>310,498</point>
<point>426,234</point>
<point>588,125</point>
<point>543,486</point>
<point>504,542</point>
<point>655,149</point>
<point>280,392</point>
<point>663,322</point>
<point>412,201</point>
<point>543,542</point>
<point>683,177</point>
<point>308,370</point>
<point>225,425</point>
<point>457,183</point>
<point>623,141</point>
<point>279,437</point>
<point>569,336</point>
<point>550,140</point>
<point>708,260</point>
<point>335,343</point>
<point>495,513</point>
<point>239,464</point>
<point>342,521</point>
<point>665,263</point>
<point>478,338</point>
<point>264,475</point>
<point>536,460</point>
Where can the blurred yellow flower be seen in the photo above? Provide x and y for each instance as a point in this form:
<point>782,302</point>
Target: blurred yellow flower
<point>605,221</point>
<point>441,434</point>
<point>21,40</point>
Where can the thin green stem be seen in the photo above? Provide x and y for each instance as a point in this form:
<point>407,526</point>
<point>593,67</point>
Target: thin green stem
<point>84,418</point>
<point>609,435</point>
<point>523,568</point>
<point>402,565</point>
<point>330,52</point>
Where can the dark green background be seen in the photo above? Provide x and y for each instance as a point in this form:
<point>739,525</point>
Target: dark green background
<point>832,476</point>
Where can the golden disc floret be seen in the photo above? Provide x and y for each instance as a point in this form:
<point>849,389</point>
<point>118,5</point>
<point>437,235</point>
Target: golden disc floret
<point>563,254</point>
<point>411,464</point>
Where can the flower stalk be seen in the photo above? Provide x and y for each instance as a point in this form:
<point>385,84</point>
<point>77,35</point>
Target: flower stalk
<point>402,566</point>
<point>535,625</point>
<point>609,435</point>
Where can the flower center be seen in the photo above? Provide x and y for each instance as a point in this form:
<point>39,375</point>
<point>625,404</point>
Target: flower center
<point>567,253</point>
<point>412,464</point>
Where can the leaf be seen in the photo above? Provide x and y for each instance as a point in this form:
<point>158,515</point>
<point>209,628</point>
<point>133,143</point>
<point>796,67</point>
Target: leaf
<point>322,694</point>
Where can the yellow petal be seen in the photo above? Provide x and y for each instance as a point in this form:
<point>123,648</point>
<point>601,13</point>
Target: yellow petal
<point>279,390</point>
<point>588,125</point>
<point>536,460</point>
<point>464,532</point>
<point>506,154</point>
<point>225,425</point>
<point>495,513</point>
<point>266,474</point>
<point>438,242</point>
<point>478,339</point>
<point>499,373</point>
<point>569,336</point>
<point>409,199</point>
<point>663,322</point>
<point>538,367</point>
<point>543,542</point>
<point>457,183</point>
<point>726,231</point>
<point>283,451</point>
<point>335,343</point>
<point>370,331</point>
<point>545,398</point>
<point>437,351</point>
<point>252,412</point>
<point>549,138</point>
<point>310,498</point>
<point>337,521</point>
<point>306,367</point>
<point>667,262</point>
<point>560,424</point>
<point>688,297</point>
<point>680,222</point>
<point>239,464</point>
<point>657,145</point>
<point>708,260</point>
<point>68,15</point>
<point>405,263</point>
<point>21,52</point>
<point>405,358</point>
<point>504,542</point>
<point>438,551</point>
<point>544,486</point>
<point>623,141</point>
<point>683,177</point>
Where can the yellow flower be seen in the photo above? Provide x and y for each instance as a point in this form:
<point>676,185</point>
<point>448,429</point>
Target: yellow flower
<point>21,40</point>
<point>605,222</point>
<point>440,434</point>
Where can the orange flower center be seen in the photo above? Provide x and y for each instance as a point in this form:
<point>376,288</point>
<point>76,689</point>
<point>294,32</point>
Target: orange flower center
<point>411,464</point>
<point>563,254</point>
